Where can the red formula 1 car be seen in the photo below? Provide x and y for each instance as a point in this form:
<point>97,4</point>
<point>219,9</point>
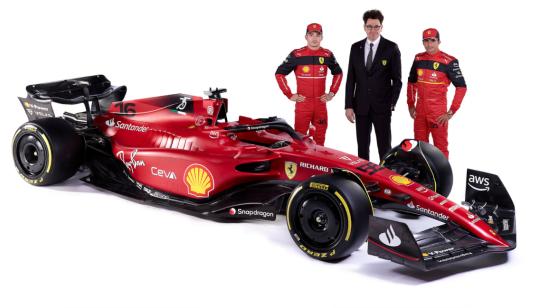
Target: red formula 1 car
<point>179,151</point>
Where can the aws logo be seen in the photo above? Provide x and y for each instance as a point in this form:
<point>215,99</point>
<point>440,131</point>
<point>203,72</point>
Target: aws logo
<point>199,181</point>
<point>475,181</point>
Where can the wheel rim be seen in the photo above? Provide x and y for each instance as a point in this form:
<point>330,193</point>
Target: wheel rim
<point>319,222</point>
<point>31,155</point>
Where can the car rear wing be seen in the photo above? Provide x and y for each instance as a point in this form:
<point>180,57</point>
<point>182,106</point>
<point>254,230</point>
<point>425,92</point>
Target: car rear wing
<point>486,197</point>
<point>95,90</point>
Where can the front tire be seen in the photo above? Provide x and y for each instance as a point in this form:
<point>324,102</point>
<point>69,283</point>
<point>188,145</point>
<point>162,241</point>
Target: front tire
<point>47,151</point>
<point>327,216</point>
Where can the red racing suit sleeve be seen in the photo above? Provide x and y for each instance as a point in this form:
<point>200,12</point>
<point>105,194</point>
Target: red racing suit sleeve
<point>336,72</point>
<point>288,65</point>
<point>455,75</point>
<point>411,86</point>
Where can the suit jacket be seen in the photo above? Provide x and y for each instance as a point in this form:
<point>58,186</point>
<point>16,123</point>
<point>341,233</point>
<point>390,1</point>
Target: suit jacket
<point>376,90</point>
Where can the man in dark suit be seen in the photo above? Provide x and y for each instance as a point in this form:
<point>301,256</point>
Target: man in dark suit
<point>373,85</point>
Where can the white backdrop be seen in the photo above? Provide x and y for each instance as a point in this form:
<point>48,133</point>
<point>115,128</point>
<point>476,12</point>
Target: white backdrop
<point>73,246</point>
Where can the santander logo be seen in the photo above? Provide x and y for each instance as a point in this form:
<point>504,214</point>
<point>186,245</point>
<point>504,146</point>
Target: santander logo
<point>389,238</point>
<point>110,122</point>
<point>126,126</point>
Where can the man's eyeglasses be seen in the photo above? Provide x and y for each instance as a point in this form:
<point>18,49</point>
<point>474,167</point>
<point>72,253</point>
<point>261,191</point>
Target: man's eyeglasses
<point>377,27</point>
<point>430,40</point>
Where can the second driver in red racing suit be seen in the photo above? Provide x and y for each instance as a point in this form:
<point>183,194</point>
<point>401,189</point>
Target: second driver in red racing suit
<point>431,73</point>
<point>310,66</point>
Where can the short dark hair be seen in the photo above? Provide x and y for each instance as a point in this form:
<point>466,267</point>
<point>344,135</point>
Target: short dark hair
<point>373,14</point>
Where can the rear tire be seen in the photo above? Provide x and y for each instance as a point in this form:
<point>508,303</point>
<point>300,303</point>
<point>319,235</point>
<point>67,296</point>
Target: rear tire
<point>422,163</point>
<point>327,216</point>
<point>47,151</point>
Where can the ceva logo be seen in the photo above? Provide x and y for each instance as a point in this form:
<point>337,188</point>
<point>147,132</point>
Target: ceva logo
<point>389,238</point>
<point>167,174</point>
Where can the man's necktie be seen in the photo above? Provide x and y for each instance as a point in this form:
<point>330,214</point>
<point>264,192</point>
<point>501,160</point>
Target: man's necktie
<point>369,58</point>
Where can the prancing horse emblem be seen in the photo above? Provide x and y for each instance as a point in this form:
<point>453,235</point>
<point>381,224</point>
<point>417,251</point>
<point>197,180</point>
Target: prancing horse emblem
<point>290,169</point>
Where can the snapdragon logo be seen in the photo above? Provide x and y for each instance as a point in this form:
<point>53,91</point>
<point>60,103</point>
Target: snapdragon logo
<point>389,238</point>
<point>251,213</point>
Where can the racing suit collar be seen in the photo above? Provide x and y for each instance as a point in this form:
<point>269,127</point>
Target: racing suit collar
<point>314,50</point>
<point>434,54</point>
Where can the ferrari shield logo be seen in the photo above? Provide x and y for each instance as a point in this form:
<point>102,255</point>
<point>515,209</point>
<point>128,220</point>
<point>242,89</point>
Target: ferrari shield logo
<point>321,60</point>
<point>384,62</point>
<point>290,169</point>
<point>436,65</point>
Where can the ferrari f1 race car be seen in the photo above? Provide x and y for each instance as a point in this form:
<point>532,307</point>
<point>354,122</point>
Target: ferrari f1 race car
<point>180,151</point>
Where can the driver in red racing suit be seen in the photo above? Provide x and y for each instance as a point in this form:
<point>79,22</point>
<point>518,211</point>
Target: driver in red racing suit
<point>431,73</point>
<point>310,65</point>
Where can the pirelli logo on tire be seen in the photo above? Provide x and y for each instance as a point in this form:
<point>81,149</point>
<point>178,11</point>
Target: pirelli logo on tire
<point>317,254</point>
<point>31,181</point>
<point>319,186</point>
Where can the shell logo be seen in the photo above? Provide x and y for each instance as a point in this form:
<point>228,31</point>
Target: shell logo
<point>420,72</point>
<point>199,180</point>
<point>305,69</point>
<point>401,180</point>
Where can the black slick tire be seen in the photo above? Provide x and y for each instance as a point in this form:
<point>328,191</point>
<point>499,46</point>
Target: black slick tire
<point>47,151</point>
<point>327,216</point>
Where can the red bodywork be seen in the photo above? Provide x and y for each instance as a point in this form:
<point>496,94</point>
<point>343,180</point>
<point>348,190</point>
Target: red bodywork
<point>177,144</point>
